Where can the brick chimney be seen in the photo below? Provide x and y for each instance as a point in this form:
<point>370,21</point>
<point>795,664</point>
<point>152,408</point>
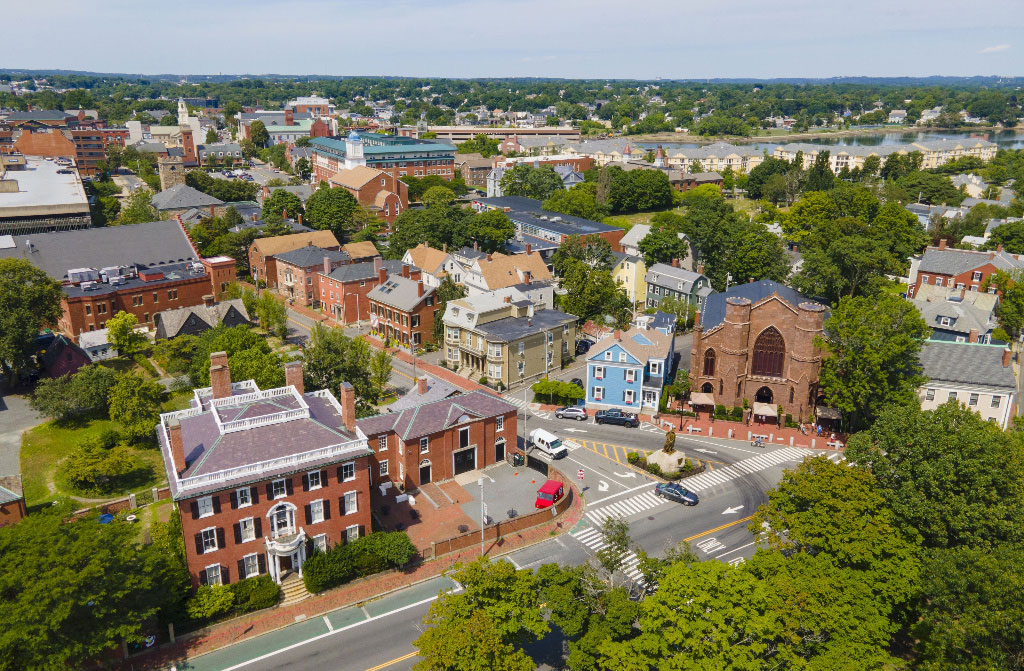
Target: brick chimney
<point>300,219</point>
<point>347,399</point>
<point>488,258</point>
<point>1007,354</point>
<point>999,248</point>
<point>508,299</point>
<point>177,446</point>
<point>293,376</point>
<point>700,268</point>
<point>382,275</point>
<point>212,213</point>
<point>220,375</point>
<point>942,243</point>
<point>378,263</point>
<point>972,336</point>
<point>529,248</point>
<point>327,265</point>
<point>289,117</point>
<point>696,319</point>
<point>476,246</point>
<point>284,215</point>
<point>405,270</point>
<point>255,217</point>
<point>421,386</point>
<point>444,247</point>
<point>617,334</point>
<point>527,276</point>
<point>419,288</point>
<point>208,300</point>
<point>675,263</point>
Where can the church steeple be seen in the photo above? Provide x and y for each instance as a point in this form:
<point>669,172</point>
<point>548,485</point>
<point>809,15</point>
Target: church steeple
<point>182,112</point>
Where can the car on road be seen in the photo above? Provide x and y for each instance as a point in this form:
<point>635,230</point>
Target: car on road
<point>583,346</point>
<point>572,412</point>
<point>578,382</point>
<point>548,443</point>
<point>673,491</point>
<point>550,493</point>
<point>616,416</point>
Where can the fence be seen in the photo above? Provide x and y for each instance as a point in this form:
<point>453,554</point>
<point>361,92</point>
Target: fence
<point>130,502</point>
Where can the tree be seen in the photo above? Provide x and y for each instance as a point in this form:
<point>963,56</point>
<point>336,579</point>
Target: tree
<point>438,196</point>
<point>91,468</point>
<point>264,367</point>
<point>809,214</point>
<point>872,345</point>
<point>761,173</point>
<point>1011,300</point>
<point>29,302</point>
<point>843,258</point>
<point>211,136</point>
<point>592,293</point>
<point>447,290</point>
<point>820,176</point>
<point>232,218</point>
<point>380,374</point>
<point>273,314</point>
<point>84,393</point>
<point>578,201</point>
<point>258,134</point>
<point>332,358</point>
<point>525,180</point>
<point>135,404</point>
<point>662,245</point>
<point>638,190</point>
<point>757,252</point>
<point>331,209</point>
<point>122,334</point>
<point>302,167</point>
<point>491,229</point>
<point>612,556</point>
<point>596,253</point>
<point>281,200</point>
<point>72,590</point>
<point>1009,236</point>
<point>947,473</point>
<point>138,210</point>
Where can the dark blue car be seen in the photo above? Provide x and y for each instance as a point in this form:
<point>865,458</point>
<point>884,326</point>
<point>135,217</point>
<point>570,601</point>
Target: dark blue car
<point>676,492</point>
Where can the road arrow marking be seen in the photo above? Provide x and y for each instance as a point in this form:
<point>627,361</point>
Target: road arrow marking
<point>575,430</point>
<point>629,474</point>
<point>702,450</point>
<point>730,511</point>
<point>602,486</point>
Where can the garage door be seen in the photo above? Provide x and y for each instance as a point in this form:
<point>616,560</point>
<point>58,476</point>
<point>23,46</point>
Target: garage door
<point>465,460</point>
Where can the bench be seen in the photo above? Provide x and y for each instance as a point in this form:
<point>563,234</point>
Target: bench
<point>693,429</point>
<point>835,444</point>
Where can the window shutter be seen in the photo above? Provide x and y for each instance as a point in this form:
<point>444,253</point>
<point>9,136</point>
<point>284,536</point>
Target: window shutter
<point>288,486</point>
<point>261,562</point>
<point>341,506</point>
<point>270,491</point>
<point>327,509</point>
<point>194,505</point>
<point>258,523</point>
<point>340,476</point>
<point>305,482</point>
<point>216,504</point>
<point>309,513</point>
<point>323,478</point>
<point>225,575</point>
<point>238,532</point>
<point>234,500</point>
<point>199,543</point>
<point>220,538</point>
<point>202,577</point>
<point>254,493</point>
<point>241,569</point>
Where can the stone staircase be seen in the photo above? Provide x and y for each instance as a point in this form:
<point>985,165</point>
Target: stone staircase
<point>293,590</point>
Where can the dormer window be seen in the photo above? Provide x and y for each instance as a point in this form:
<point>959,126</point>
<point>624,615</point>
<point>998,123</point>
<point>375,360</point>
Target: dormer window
<point>945,321</point>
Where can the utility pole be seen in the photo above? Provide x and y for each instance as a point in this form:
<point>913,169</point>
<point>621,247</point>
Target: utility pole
<point>483,508</point>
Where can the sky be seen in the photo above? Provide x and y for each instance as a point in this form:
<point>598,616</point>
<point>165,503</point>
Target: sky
<point>642,39</point>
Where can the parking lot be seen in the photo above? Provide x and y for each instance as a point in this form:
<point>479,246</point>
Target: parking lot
<point>507,492</point>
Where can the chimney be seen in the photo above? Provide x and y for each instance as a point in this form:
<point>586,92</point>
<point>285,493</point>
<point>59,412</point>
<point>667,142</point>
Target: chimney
<point>617,334</point>
<point>963,293</point>
<point>991,255</point>
<point>488,258</point>
<point>382,275</point>
<point>300,219</point>
<point>972,336</point>
<point>284,215</point>
<point>212,213</point>
<point>999,248</point>
<point>942,243</point>
<point>444,247</point>
<point>255,217</point>
<point>527,276</point>
<point>700,268</point>
<point>696,319</point>
<point>419,288</point>
<point>293,376</point>
<point>1006,357</point>
<point>177,445</point>
<point>508,299</point>
<point>421,386</point>
<point>405,270</point>
<point>208,300</point>
<point>750,280</point>
<point>476,246</point>
<point>378,263</point>
<point>529,248</point>
<point>675,263</point>
<point>348,406</point>
<point>220,375</point>
<point>327,265</point>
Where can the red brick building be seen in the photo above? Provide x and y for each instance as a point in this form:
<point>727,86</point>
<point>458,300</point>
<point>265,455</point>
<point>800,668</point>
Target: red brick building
<point>262,252</point>
<point>755,342</point>
<point>84,141</point>
<point>959,268</point>
<point>12,500</point>
<point>344,292</point>
<point>396,155</point>
<point>438,440</point>
<point>299,272</point>
<point>403,309</point>
<point>380,192</point>
<point>262,477</point>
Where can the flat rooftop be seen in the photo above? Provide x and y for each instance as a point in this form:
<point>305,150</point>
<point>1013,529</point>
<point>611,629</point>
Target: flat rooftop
<point>43,191</point>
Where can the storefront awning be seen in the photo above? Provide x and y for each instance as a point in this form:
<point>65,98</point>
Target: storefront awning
<point>824,412</point>
<point>702,398</point>
<point>765,410</point>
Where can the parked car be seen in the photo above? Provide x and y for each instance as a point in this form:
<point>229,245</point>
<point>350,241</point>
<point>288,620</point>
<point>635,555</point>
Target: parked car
<point>582,347</point>
<point>578,382</point>
<point>548,443</point>
<point>616,416</point>
<point>572,412</point>
<point>550,493</point>
<point>673,491</point>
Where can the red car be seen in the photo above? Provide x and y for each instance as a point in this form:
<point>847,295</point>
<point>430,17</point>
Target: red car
<point>550,493</point>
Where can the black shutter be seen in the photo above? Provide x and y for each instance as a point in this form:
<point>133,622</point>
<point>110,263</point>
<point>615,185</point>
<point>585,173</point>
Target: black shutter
<point>341,506</point>
<point>258,522</point>
<point>241,569</point>
<point>234,500</point>
<point>238,532</point>
<point>199,544</point>
<point>270,491</point>
<point>225,575</point>
<point>255,494</point>
<point>323,478</point>
<point>340,476</point>
<point>309,513</point>
<point>327,509</point>
<point>202,577</point>
<point>288,486</point>
<point>305,482</point>
<point>216,504</point>
<point>194,505</point>
<point>220,538</point>
<point>261,562</point>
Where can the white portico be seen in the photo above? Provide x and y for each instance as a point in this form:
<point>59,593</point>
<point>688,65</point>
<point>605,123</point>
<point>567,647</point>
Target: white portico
<point>286,544</point>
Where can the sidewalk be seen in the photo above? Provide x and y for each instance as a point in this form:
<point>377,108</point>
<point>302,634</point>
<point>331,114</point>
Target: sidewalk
<point>771,433</point>
<point>256,624</point>
<point>436,371</point>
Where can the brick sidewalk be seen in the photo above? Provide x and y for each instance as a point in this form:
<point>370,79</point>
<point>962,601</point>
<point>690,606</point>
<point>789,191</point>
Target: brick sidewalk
<point>366,589</point>
<point>436,371</point>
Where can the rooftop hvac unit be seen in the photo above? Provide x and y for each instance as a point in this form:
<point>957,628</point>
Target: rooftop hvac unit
<point>88,286</point>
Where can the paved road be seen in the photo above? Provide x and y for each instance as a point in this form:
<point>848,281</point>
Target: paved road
<point>15,416</point>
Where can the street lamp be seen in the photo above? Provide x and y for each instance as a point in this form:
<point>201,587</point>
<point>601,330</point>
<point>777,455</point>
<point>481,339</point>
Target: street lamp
<point>483,508</point>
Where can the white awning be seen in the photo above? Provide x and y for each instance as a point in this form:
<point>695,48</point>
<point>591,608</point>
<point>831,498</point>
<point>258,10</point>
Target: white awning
<point>702,398</point>
<point>765,410</point>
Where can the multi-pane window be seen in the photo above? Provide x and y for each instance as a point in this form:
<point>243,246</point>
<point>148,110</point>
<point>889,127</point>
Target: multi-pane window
<point>247,530</point>
<point>499,424</point>
<point>209,537</point>
<point>213,574</point>
<point>622,357</point>
<point>316,511</point>
<point>320,542</point>
<point>995,401</point>
<point>424,445</point>
<point>952,396</point>
<point>252,565</point>
<point>382,443</point>
<point>352,533</point>
<point>973,400</point>
<point>243,497</point>
<point>350,503</point>
<point>279,489</point>
<point>314,479</point>
<point>769,353</point>
<point>929,394</point>
<point>384,467</point>
<point>348,472</point>
<point>205,506</point>
<point>709,362</point>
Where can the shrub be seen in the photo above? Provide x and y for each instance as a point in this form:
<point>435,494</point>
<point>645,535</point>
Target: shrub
<point>687,465</point>
<point>633,457</point>
<point>92,467</point>
<point>654,469</point>
<point>365,556</point>
<point>483,379</point>
<point>719,410</point>
<point>688,413</point>
<point>736,413</point>
<point>210,601</point>
<point>394,547</point>
<point>254,593</point>
<point>146,364</point>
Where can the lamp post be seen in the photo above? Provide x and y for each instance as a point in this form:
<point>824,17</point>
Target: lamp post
<point>483,507</point>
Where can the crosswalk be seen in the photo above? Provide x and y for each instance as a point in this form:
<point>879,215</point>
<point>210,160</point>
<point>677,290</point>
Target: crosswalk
<point>594,541</point>
<point>626,507</point>
<point>518,402</point>
<point>761,462</point>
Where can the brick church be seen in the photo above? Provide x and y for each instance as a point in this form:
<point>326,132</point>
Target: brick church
<point>756,342</point>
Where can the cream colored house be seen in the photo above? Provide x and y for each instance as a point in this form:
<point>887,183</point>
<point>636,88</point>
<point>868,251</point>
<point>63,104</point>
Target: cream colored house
<point>629,271</point>
<point>976,376</point>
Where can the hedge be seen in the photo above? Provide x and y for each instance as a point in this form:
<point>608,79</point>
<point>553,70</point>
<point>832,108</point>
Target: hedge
<point>254,593</point>
<point>368,555</point>
<point>213,603</point>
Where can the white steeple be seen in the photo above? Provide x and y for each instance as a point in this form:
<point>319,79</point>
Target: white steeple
<point>182,112</point>
<point>354,150</point>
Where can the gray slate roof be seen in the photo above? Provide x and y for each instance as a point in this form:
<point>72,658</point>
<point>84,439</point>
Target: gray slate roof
<point>957,261</point>
<point>181,196</point>
<point>966,363</point>
<point>713,313</point>
<point>155,243</point>
<point>436,390</point>
<point>510,329</point>
<point>364,271</point>
<point>660,272</point>
<point>429,418</point>
<point>399,292</point>
<point>305,257</point>
<point>963,316</point>
<point>302,191</point>
<point>212,316</point>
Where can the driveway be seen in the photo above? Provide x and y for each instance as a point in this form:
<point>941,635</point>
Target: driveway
<point>15,416</point>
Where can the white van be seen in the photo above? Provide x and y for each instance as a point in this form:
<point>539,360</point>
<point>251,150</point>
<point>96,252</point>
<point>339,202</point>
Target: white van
<point>548,443</point>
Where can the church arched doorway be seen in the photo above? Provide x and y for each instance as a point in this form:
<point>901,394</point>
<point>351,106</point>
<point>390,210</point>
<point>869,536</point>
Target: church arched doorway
<point>707,388</point>
<point>764,395</point>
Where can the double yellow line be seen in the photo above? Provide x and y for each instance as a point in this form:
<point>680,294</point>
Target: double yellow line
<point>724,526</point>
<point>396,660</point>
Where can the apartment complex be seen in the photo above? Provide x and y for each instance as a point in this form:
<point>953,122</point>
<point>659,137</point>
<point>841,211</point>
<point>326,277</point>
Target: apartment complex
<point>263,252</point>
<point>396,155</point>
<point>403,309</point>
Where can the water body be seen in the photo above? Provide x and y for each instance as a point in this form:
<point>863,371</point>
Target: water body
<point>1005,139</point>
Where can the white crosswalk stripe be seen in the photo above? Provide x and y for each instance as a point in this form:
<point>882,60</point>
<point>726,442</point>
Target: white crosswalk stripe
<point>592,539</point>
<point>709,479</point>
<point>625,508</point>
<point>837,458</point>
<point>518,402</point>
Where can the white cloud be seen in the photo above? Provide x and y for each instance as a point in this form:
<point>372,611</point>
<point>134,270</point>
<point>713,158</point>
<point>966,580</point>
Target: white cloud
<point>994,49</point>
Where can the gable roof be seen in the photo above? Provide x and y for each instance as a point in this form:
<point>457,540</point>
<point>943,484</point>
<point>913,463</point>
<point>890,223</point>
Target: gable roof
<point>642,344</point>
<point>957,261</point>
<point>360,250</point>
<point>182,196</point>
<point>713,312</point>
<point>966,363</point>
<point>213,315</point>
<point>364,271</point>
<point>400,292</point>
<point>355,178</point>
<point>429,418</point>
<point>436,391</point>
<point>505,270</point>
<point>284,243</point>
<point>657,273</point>
<point>427,259</point>
<point>310,255</point>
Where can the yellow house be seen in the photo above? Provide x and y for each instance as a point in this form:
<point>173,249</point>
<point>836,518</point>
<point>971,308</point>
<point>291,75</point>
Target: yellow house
<point>629,271</point>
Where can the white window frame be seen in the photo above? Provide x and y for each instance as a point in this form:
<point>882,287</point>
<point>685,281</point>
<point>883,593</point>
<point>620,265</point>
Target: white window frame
<point>952,396</point>
<point>316,511</point>
<point>383,471</point>
<point>209,579</point>
<point>348,472</point>
<point>598,372</point>
<point>929,394</point>
<point>251,535</point>
<point>320,542</point>
<point>520,367</point>
<point>284,489</point>
<point>622,357</point>
<point>976,276</point>
<point>382,443</point>
<point>628,396</point>
<point>351,533</point>
<point>598,393</point>
<point>309,478</point>
<point>995,401</point>
<point>352,497</point>
<point>243,492</point>
<point>944,321</point>
<point>655,368</point>
<point>499,423</point>
<point>205,505</point>
<point>202,535</point>
<point>608,355</point>
<point>972,400</point>
<point>424,445</point>
<point>255,565</point>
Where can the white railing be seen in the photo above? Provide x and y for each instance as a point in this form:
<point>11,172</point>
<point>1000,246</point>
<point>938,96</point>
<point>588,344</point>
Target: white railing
<point>206,392</point>
<point>338,450</point>
<point>257,395</point>
<point>263,420</point>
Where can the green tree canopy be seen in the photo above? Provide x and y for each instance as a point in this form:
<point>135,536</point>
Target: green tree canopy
<point>135,404</point>
<point>84,393</point>
<point>332,358</point>
<point>578,201</point>
<point>525,180</point>
<point>122,334</point>
<point>284,201</point>
<point>332,209</point>
<point>29,302</point>
<point>447,290</point>
<point>438,196</point>
<point>258,133</point>
<point>138,209</point>
<point>662,245</point>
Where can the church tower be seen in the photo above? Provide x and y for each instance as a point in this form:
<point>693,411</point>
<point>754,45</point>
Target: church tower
<point>354,151</point>
<point>182,113</point>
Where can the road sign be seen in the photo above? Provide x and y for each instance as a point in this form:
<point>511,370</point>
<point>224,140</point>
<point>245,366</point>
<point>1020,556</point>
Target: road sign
<point>579,474</point>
